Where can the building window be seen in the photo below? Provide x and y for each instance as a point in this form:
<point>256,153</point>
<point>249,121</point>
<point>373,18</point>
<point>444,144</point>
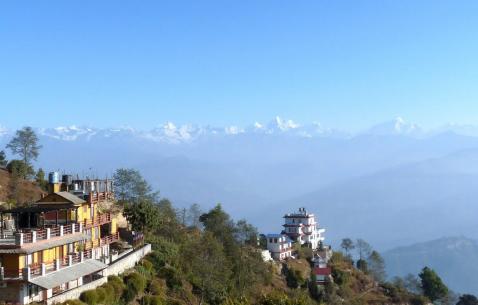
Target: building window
<point>275,240</point>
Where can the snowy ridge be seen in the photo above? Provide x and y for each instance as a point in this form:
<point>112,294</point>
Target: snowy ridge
<point>187,133</point>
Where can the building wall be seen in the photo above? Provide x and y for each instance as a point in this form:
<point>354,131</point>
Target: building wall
<point>75,293</point>
<point>128,261</point>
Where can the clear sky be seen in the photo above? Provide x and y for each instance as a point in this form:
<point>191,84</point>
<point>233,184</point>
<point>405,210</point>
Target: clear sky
<point>347,64</point>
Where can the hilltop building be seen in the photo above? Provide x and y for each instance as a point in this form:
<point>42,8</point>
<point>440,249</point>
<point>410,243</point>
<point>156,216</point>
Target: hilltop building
<point>279,246</point>
<point>302,227</point>
<point>59,244</point>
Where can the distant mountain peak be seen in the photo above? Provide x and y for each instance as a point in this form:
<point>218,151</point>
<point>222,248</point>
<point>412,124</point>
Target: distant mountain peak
<point>398,126</point>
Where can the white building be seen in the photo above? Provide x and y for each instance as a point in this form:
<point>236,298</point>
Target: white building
<point>279,245</point>
<point>303,228</point>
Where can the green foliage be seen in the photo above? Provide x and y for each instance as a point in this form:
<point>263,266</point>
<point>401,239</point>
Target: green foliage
<point>131,187</point>
<point>156,287</point>
<point>90,297</point>
<point>347,244</point>
<point>280,298</point>
<point>3,159</point>
<point>40,179</point>
<point>72,302</point>
<point>142,215</point>
<point>19,169</point>
<point>172,277</point>
<point>164,252</point>
<point>25,144</point>
<point>432,285</point>
<point>294,278</point>
<point>363,248</point>
<point>208,269</point>
<point>153,300</point>
<point>376,266</point>
<point>135,282</point>
<point>362,265</point>
<point>101,296</point>
<point>419,300</point>
<point>467,299</point>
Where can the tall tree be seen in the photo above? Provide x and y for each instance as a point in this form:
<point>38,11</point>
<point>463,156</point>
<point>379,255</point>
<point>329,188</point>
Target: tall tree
<point>193,214</point>
<point>246,233</point>
<point>376,266</point>
<point>208,270</point>
<point>432,285</point>
<point>142,215</point>
<point>25,144</point>
<point>347,244</point>
<point>3,159</point>
<point>363,248</point>
<point>40,179</point>
<point>130,186</point>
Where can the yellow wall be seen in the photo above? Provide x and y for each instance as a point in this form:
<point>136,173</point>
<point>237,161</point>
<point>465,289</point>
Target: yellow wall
<point>114,225</point>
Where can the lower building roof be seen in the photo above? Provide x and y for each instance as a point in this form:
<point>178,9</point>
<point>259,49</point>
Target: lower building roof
<point>29,248</point>
<point>68,274</point>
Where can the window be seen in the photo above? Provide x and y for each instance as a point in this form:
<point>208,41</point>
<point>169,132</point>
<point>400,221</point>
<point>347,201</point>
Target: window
<point>275,240</point>
<point>270,240</point>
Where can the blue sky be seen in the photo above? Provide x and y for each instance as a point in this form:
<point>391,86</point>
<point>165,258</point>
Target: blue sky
<point>347,64</point>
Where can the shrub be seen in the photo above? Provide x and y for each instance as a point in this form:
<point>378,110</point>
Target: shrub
<point>147,265</point>
<point>153,300</point>
<point>110,295</point>
<point>73,302</point>
<point>101,295</point>
<point>89,297</point>
<point>172,277</point>
<point>136,281</point>
<point>129,294</point>
<point>156,287</point>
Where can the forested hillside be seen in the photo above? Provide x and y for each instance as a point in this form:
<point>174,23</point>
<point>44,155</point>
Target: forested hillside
<point>209,258</point>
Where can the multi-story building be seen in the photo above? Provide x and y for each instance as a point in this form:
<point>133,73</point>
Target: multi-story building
<point>58,243</point>
<point>279,245</point>
<point>302,227</point>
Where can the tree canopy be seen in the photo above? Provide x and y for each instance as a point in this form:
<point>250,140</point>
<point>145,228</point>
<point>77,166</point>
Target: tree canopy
<point>25,144</point>
<point>432,285</point>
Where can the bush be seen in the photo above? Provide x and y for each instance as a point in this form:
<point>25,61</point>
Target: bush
<point>101,295</point>
<point>110,293</point>
<point>156,287</point>
<point>147,265</point>
<point>129,294</point>
<point>117,285</point>
<point>153,300</point>
<point>73,302</point>
<point>172,277</point>
<point>89,297</point>
<point>136,281</point>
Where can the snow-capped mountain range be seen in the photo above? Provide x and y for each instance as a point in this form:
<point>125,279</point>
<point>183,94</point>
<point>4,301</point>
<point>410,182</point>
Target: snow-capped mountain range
<point>174,134</point>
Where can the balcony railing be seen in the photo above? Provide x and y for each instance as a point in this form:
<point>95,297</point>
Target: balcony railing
<point>100,196</point>
<point>98,220</point>
<point>31,236</point>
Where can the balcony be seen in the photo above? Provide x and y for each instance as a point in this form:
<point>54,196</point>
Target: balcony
<point>97,221</point>
<point>29,236</point>
<point>41,269</point>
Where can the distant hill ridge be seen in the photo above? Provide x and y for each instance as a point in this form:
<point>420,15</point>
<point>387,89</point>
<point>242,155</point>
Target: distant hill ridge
<point>454,258</point>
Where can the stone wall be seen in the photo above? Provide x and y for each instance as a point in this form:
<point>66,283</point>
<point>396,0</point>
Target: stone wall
<point>124,263</point>
<point>75,293</point>
<point>128,261</point>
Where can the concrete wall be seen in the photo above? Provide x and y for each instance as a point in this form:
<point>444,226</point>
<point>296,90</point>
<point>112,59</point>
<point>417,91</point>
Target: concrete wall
<point>75,293</point>
<point>128,261</point>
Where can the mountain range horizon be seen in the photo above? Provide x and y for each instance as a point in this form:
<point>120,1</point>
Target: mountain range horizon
<point>183,133</point>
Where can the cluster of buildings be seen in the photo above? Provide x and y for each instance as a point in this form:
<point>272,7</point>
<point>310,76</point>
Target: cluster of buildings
<point>64,243</point>
<point>301,228</point>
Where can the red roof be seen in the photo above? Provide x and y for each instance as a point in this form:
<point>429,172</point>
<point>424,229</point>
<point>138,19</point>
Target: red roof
<point>322,271</point>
